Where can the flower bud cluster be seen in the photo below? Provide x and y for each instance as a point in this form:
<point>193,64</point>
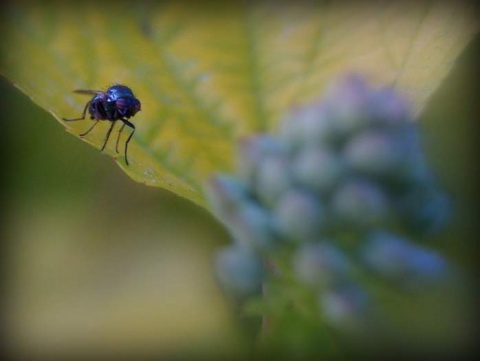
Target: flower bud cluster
<point>345,187</point>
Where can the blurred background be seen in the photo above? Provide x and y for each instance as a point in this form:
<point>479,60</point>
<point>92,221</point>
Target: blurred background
<point>95,263</point>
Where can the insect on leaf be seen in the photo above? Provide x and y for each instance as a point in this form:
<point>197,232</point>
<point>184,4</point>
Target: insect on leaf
<point>208,73</point>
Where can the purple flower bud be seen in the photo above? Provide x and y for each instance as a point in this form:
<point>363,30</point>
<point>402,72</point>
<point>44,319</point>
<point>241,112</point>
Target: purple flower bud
<point>428,266</point>
<point>318,168</point>
<point>239,270</point>
<point>253,150</point>
<point>300,215</point>
<point>320,264</point>
<point>376,153</point>
<point>414,169</point>
<point>224,194</point>
<point>252,226</point>
<point>359,203</point>
<point>308,125</point>
<point>399,259</point>
<point>348,103</point>
<point>388,106</point>
<point>388,254</point>
<point>273,178</point>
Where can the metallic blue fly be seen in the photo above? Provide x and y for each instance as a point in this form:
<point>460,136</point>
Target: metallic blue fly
<point>117,103</point>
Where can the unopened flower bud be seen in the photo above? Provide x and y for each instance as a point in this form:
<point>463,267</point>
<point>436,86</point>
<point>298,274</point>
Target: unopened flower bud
<point>398,259</point>
<point>239,270</point>
<point>273,178</point>
<point>348,103</point>
<point>252,152</point>
<point>375,153</point>
<point>318,168</point>
<point>320,264</point>
<point>224,194</point>
<point>308,125</point>
<point>359,203</point>
<point>390,107</point>
<point>252,226</point>
<point>300,215</point>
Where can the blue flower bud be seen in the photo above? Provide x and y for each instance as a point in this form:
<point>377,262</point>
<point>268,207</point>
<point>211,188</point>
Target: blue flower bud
<point>427,266</point>
<point>318,168</point>
<point>252,152</point>
<point>320,264</point>
<point>345,307</point>
<point>375,153</point>
<point>398,259</point>
<point>308,125</point>
<point>349,104</point>
<point>224,194</point>
<point>388,106</point>
<point>252,226</point>
<point>414,169</point>
<point>239,270</point>
<point>300,215</point>
<point>388,254</point>
<point>359,203</point>
<point>273,178</point>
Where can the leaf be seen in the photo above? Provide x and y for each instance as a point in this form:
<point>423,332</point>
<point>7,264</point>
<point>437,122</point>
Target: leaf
<point>208,73</point>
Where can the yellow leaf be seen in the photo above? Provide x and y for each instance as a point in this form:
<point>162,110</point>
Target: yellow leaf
<point>208,73</point>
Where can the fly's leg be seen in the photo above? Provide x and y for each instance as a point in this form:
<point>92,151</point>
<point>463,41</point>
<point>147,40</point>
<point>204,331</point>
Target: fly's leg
<point>83,114</point>
<point>127,123</point>
<point>118,138</point>
<point>90,129</point>
<point>108,135</point>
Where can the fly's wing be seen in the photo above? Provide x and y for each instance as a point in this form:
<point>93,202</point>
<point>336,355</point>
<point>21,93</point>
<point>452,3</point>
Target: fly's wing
<point>87,91</point>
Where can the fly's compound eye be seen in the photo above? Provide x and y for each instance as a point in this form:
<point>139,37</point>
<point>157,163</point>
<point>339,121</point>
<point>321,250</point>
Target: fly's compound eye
<point>136,106</point>
<point>127,106</point>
